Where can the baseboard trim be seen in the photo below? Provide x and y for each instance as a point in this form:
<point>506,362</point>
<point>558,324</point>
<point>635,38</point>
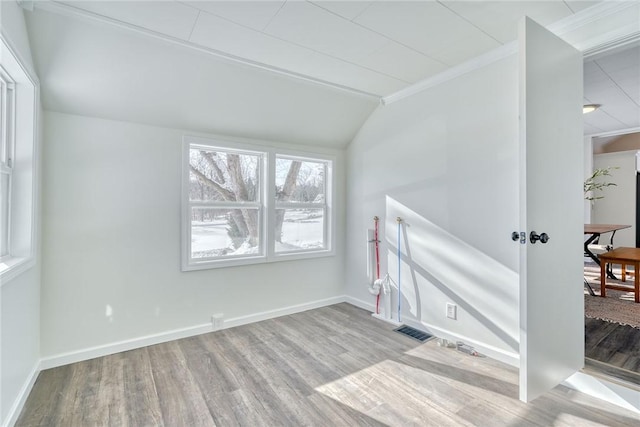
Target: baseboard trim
<point>144,341</point>
<point>507,357</point>
<point>360,303</point>
<point>120,346</point>
<point>18,404</point>
<point>270,314</point>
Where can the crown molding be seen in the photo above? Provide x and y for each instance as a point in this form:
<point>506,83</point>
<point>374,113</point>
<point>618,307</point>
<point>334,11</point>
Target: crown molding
<point>614,133</point>
<point>488,58</point>
<point>614,40</point>
<point>559,28</point>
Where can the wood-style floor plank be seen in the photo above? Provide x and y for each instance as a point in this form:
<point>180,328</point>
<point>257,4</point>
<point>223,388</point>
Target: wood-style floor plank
<point>616,346</point>
<point>333,366</point>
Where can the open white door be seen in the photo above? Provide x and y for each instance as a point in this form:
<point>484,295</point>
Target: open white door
<point>551,202</point>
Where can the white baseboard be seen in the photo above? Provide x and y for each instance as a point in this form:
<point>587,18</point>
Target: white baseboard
<point>144,341</point>
<point>507,357</point>
<point>270,314</point>
<point>18,404</point>
<point>120,346</point>
<point>359,303</point>
<point>510,358</point>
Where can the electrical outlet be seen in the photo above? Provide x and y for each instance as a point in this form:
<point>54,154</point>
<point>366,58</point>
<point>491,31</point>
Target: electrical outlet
<point>452,311</point>
<point>217,320</point>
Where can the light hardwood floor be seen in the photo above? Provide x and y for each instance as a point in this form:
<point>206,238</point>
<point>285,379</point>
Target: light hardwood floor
<point>334,366</point>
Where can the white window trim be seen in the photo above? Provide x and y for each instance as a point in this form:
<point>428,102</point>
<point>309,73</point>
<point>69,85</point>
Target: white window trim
<point>268,204</point>
<point>23,234</point>
<point>327,206</point>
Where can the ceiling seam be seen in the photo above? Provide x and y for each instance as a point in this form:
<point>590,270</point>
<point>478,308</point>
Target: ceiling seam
<point>195,23</point>
<point>471,23</point>
<point>605,112</point>
<point>380,34</point>
<point>308,48</point>
<point>568,6</point>
<point>616,84</point>
<point>273,16</point>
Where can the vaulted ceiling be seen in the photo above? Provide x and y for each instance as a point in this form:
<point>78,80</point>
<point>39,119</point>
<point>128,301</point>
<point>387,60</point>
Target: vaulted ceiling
<point>347,53</point>
<point>374,46</point>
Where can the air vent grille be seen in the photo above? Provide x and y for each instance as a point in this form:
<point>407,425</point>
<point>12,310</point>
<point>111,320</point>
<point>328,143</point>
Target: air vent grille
<point>413,333</point>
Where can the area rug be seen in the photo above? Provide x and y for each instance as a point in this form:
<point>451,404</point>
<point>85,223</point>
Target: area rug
<point>617,307</point>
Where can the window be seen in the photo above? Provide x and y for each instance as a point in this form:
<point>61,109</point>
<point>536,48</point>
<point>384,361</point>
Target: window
<point>245,204</point>
<point>6,158</point>
<point>300,204</point>
<point>225,203</point>
<point>18,106</point>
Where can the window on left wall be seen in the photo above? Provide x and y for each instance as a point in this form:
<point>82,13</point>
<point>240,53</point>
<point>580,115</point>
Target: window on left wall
<point>18,106</point>
<point>7,102</point>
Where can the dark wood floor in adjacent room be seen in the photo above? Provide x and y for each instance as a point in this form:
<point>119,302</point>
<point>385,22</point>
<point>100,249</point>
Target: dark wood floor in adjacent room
<point>613,349</point>
<point>333,366</point>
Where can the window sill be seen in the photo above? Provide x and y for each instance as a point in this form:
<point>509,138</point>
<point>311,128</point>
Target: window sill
<point>12,267</point>
<point>238,262</point>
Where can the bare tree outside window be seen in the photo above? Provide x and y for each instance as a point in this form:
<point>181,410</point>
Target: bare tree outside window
<point>228,205</point>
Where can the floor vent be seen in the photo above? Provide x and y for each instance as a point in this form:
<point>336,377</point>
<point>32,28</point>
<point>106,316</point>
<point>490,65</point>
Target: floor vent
<point>414,333</point>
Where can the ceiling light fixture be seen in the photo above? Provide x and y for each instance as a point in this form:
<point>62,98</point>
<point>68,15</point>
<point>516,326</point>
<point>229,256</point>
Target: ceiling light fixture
<point>590,108</point>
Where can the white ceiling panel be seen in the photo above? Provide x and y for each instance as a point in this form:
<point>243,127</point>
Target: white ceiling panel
<point>623,68</point>
<point>578,5</point>
<point>347,9</point>
<point>612,80</point>
<point>589,129</point>
<point>166,17</point>
<point>428,27</point>
<point>221,34</point>
<point>252,14</point>
<point>401,62</point>
<point>311,26</point>
<point>326,67</point>
<point>622,109</point>
<point>602,120</point>
<point>500,19</point>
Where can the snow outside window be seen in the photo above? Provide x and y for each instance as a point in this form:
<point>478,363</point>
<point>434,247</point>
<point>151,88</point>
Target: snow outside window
<point>225,210</point>
<point>300,204</point>
<point>245,204</point>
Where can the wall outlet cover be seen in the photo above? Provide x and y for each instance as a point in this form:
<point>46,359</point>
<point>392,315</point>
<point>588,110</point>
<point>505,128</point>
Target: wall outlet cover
<point>452,311</point>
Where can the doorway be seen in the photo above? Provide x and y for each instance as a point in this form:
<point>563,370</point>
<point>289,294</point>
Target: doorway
<point>612,79</point>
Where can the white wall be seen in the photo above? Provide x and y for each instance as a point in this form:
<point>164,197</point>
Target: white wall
<point>111,238</point>
<point>19,297</point>
<point>446,161</point>
<point>619,203</point>
<point>588,170</point>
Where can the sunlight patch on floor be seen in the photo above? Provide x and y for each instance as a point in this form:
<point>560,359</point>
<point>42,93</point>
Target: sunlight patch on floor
<point>395,393</point>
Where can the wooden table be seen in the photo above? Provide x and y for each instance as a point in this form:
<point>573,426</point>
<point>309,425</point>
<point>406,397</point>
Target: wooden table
<point>624,257</point>
<point>595,230</point>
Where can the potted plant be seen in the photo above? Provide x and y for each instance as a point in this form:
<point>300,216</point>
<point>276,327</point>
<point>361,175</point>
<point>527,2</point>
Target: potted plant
<point>593,186</point>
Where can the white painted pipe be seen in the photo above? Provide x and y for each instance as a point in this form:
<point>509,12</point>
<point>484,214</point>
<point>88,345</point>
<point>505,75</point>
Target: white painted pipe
<point>374,286</point>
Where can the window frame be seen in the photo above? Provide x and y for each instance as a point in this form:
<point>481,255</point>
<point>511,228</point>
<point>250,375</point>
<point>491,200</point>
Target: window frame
<point>23,150</point>
<point>258,204</point>
<point>328,195</point>
<point>7,148</point>
<point>267,203</point>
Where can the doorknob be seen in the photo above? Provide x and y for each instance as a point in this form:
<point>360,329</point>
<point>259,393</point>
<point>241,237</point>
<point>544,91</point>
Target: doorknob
<point>534,237</point>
